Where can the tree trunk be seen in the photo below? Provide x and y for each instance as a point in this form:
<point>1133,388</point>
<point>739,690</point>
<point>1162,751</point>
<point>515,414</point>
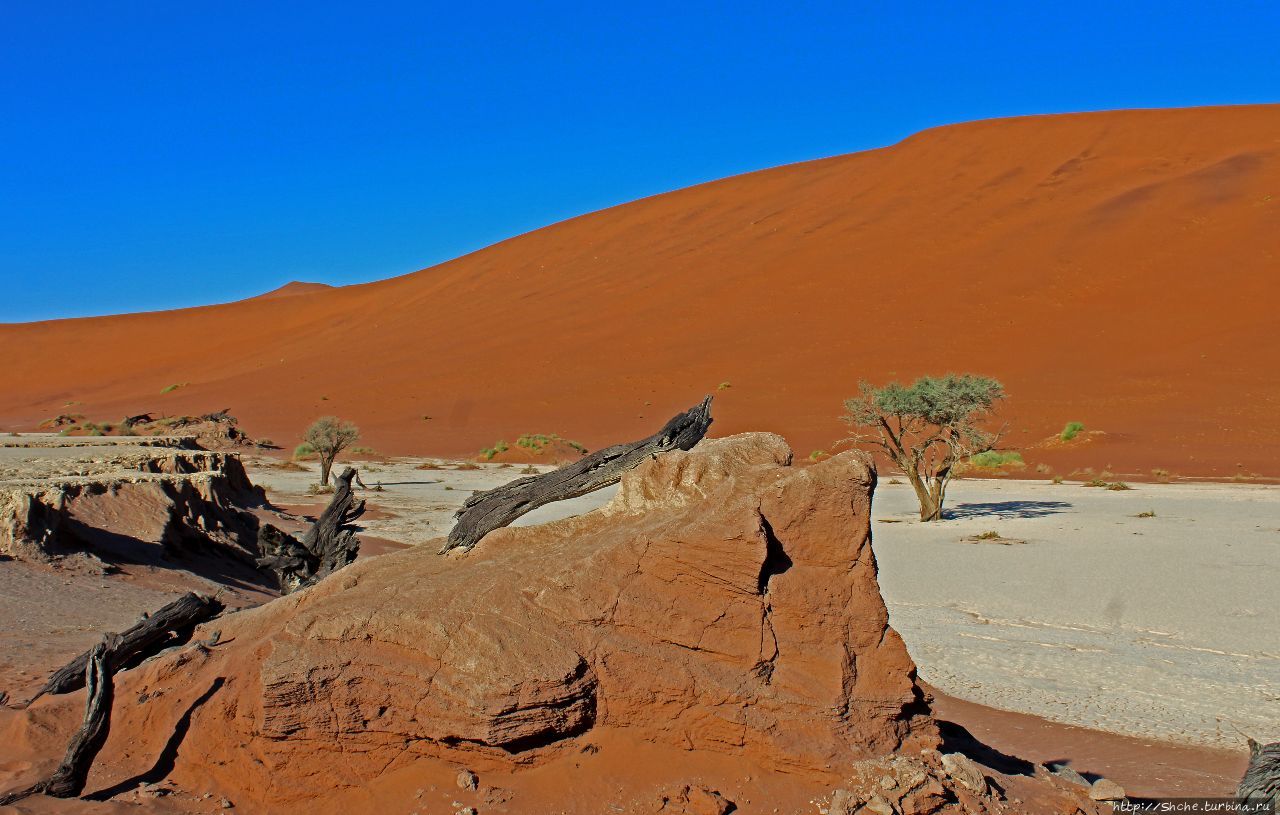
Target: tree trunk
<point>326,465</point>
<point>68,780</point>
<point>484,512</point>
<point>329,544</point>
<point>148,636</point>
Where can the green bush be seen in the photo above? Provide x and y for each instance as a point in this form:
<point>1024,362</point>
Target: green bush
<point>1071,431</point>
<point>304,450</point>
<point>996,458</point>
<point>173,387</point>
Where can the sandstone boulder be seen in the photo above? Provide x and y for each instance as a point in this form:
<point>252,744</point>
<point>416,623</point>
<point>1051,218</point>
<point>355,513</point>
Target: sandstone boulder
<point>724,601</point>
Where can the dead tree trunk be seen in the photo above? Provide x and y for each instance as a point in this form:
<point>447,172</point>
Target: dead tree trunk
<point>1261,780</point>
<point>69,778</point>
<point>328,545</point>
<point>484,512</point>
<point>168,626</point>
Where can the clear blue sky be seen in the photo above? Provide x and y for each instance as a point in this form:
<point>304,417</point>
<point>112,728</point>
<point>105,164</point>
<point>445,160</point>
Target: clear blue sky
<point>161,154</point>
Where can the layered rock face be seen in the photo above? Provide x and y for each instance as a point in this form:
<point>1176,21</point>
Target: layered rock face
<point>120,497</point>
<point>724,601</point>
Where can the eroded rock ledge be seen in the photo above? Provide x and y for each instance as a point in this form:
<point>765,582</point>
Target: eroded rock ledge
<point>724,601</point>
<point>62,497</point>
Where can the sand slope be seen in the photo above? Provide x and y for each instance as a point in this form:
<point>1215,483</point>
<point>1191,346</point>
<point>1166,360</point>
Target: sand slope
<point>1118,269</point>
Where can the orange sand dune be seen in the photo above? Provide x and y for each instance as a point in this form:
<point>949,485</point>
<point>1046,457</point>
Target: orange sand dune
<point>1118,269</point>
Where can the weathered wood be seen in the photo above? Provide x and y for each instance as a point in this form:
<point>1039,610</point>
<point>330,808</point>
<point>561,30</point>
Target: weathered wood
<point>329,545</point>
<point>148,636</point>
<point>484,512</point>
<point>1261,781</point>
<point>68,780</point>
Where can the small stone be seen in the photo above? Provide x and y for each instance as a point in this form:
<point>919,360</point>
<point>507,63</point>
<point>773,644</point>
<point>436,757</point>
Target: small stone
<point>226,804</point>
<point>1067,774</point>
<point>878,805</point>
<point>467,811</point>
<point>843,802</point>
<point>1104,789</point>
<point>888,782</point>
<point>468,780</point>
<point>961,769</point>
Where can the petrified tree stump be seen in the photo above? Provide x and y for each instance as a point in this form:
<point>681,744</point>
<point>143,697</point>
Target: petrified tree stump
<point>484,512</point>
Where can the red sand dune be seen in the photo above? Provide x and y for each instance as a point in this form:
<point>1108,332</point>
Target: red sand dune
<point>1118,269</point>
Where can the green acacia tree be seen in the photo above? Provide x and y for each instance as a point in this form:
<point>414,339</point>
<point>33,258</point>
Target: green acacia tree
<point>328,436</point>
<point>926,428</point>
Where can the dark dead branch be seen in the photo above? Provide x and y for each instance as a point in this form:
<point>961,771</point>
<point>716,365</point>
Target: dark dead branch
<point>329,545</point>
<point>68,780</point>
<point>484,512</point>
<point>171,625</point>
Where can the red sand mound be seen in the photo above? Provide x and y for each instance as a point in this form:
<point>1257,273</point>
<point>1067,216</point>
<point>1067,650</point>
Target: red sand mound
<point>1116,269</point>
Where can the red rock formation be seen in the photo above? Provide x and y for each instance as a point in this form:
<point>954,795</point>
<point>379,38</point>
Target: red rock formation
<point>723,602</point>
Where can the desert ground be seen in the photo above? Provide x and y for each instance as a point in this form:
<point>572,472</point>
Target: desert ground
<point>1160,628</point>
<point>1113,268</point>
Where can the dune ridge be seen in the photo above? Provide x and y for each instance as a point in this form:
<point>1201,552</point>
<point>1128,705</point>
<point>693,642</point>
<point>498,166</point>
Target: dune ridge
<point>1116,268</point>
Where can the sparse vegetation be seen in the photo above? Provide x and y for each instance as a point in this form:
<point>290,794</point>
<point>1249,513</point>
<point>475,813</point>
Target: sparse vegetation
<point>997,458</point>
<point>1161,475</point>
<point>724,386</point>
<point>172,388</point>
<point>499,446</point>
<point>926,428</point>
<point>818,454</point>
<point>1095,482</point>
<point>990,535</point>
<point>304,451</point>
<point>1118,486</point>
<point>1057,479</point>
<point>529,470</point>
<point>1072,430</point>
<point>1151,513</point>
<point>1043,469</point>
<point>328,436</point>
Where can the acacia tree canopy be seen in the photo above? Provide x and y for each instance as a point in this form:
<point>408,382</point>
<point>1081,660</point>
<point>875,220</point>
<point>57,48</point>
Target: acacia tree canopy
<point>926,428</point>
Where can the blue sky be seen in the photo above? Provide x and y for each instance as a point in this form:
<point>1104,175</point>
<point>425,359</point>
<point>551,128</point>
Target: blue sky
<point>156,155</point>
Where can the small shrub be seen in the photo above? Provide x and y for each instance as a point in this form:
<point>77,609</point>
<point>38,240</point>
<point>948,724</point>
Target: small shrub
<point>319,489</point>
<point>499,446</point>
<point>895,480</point>
<point>1162,475</point>
<point>304,451</point>
<point>1095,482</point>
<point>1071,431</point>
<point>1057,479</point>
<point>817,454</point>
<point>990,535</point>
<point>1151,513</point>
<point>997,458</point>
<point>1118,486</point>
<point>724,386</point>
<point>1043,469</point>
<point>466,465</point>
<point>429,465</point>
<point>173,387</point>
<point>530,470</point>
<point>364,451</point>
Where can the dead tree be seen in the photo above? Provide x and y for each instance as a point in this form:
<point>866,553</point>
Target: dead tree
<point>1261,780</point>
<point>329,545</point>
<point>69,778</point>
<point>171,625</point>
<point>486,511</point>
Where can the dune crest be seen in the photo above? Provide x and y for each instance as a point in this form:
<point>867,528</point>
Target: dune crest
<point>1116,269</point>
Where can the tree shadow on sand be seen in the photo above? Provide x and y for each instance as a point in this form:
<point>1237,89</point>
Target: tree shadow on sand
<point>1005,509</point>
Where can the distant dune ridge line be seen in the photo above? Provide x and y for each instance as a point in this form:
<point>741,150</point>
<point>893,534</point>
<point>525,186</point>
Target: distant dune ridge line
<point>1115,268</point>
